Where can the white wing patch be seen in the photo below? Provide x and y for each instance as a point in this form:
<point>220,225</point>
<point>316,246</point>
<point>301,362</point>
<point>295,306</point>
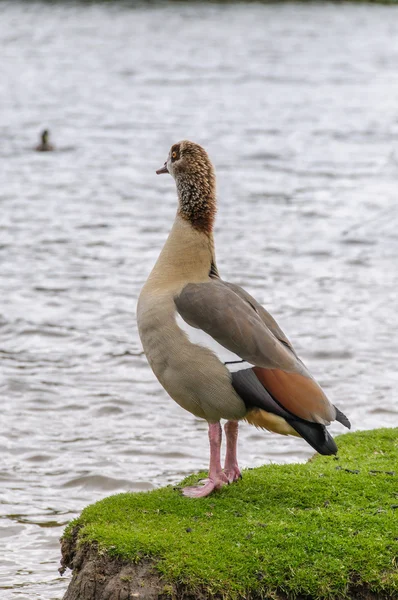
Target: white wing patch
<point>232,361</point>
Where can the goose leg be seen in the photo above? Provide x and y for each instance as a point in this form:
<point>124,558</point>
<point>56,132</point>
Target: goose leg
<point>216,477</point>
<point>231,468</point>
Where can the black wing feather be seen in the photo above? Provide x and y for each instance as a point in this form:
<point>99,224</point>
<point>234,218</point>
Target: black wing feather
<point>316,435</point>
<point>254,395</point>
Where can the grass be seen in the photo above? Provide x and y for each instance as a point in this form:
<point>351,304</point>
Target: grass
<point>322,529</point>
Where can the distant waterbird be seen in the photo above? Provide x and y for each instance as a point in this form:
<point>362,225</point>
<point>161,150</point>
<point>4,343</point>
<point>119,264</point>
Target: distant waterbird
<point>216,351</point>
<point>45,145</point>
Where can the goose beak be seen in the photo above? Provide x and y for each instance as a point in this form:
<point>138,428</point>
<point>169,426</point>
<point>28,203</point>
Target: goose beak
<point>164,169</point>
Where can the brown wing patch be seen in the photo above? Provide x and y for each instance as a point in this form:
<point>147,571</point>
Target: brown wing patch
<point>298,394</point>
<point>265,420</point>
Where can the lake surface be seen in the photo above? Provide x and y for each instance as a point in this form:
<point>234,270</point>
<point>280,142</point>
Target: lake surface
<point>297,106</point>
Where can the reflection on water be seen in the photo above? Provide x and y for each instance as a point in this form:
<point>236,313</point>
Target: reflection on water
<point>296,105</point>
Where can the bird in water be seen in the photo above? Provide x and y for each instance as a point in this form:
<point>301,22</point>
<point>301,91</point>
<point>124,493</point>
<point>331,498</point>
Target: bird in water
<point>45,145</point>
<point>216,351</point>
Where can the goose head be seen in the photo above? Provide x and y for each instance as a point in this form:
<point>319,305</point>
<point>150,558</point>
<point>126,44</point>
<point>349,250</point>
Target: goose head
<point>45,145</point>
<point>44,137</point>
<point>189,164</point>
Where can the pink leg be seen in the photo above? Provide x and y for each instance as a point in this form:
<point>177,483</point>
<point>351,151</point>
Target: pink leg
<point>231,468</point>
<point>216,477</point>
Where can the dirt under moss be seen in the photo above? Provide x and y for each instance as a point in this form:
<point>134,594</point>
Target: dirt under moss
<point>327,529</point>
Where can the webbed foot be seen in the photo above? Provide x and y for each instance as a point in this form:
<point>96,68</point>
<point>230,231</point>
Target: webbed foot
<point>208,486</point>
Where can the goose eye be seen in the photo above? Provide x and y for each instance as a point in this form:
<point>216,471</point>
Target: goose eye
<point>174,154</point>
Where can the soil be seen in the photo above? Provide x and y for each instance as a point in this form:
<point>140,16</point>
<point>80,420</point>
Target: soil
<point>99,576</point>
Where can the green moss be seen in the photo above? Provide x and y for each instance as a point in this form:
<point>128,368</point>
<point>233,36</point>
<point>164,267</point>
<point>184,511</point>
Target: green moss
<point>319,529</point>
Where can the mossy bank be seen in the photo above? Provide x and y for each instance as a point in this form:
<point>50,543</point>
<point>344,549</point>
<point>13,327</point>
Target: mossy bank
<point>324,529</point>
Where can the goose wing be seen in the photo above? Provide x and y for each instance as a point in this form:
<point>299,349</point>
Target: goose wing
<point>239,323</point>
<point>264,315</point>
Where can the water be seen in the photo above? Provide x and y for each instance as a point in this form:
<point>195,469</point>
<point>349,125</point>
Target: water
<point>297,107</point>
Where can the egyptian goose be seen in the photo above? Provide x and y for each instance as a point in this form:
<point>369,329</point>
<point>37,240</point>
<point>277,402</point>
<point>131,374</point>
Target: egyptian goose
<point>45,145</point>
<point>216,351</point>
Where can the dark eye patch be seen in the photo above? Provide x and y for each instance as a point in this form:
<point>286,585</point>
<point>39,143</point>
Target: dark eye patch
<point>175,152</point>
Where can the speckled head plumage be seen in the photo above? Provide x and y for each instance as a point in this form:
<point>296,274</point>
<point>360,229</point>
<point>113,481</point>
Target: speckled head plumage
<point>193,172</point>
